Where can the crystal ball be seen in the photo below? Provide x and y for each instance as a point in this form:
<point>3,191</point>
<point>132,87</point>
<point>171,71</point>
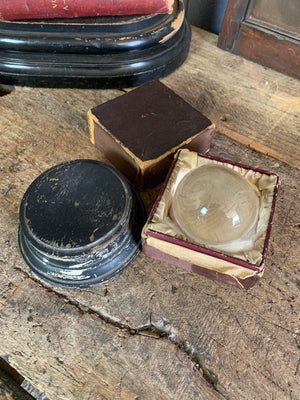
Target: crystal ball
<point>214,205</point>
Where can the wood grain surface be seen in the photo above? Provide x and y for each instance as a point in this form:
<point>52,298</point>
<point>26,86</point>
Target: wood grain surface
<point>251,104</point>
<point>157,332</point>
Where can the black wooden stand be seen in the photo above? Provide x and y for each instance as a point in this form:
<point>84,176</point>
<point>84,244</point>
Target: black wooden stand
<point>106,52</point>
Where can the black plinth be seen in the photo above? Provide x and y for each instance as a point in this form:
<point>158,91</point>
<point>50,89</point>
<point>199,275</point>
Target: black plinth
<point>80,224</point>
<point>103,52</point>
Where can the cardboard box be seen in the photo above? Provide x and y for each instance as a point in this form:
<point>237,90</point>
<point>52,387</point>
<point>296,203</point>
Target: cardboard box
<point>164,240</point>
<point>140,131</point>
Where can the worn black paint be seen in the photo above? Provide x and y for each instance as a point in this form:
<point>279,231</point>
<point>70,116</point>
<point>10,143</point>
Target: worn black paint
<point>80,224</point>
<point>104,52</point>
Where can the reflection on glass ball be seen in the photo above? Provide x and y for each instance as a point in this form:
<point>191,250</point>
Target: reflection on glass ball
<point>215,205</point>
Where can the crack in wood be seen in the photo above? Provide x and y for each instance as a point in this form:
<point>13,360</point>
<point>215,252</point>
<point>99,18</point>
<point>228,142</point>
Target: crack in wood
<point>33,391</point>
<point>19,387</point>
<point>155,328</point>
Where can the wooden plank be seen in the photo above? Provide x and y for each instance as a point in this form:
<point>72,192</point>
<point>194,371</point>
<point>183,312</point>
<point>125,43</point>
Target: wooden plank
<point>242,342</point>
<point>76,355</point>
<point>253,105</point>
<point>155,331</point>
<point>32,141</point>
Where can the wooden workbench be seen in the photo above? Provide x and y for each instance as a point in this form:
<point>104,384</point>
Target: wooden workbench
<point>157,332</point>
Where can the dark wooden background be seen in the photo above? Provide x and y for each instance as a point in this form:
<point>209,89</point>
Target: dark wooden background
<point>206,14</point>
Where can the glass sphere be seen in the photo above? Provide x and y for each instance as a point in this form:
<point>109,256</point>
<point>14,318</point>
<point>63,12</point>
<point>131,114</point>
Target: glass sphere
<point>214,205</point>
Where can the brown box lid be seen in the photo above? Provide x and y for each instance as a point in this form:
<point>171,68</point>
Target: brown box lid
<point>140,131</point>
